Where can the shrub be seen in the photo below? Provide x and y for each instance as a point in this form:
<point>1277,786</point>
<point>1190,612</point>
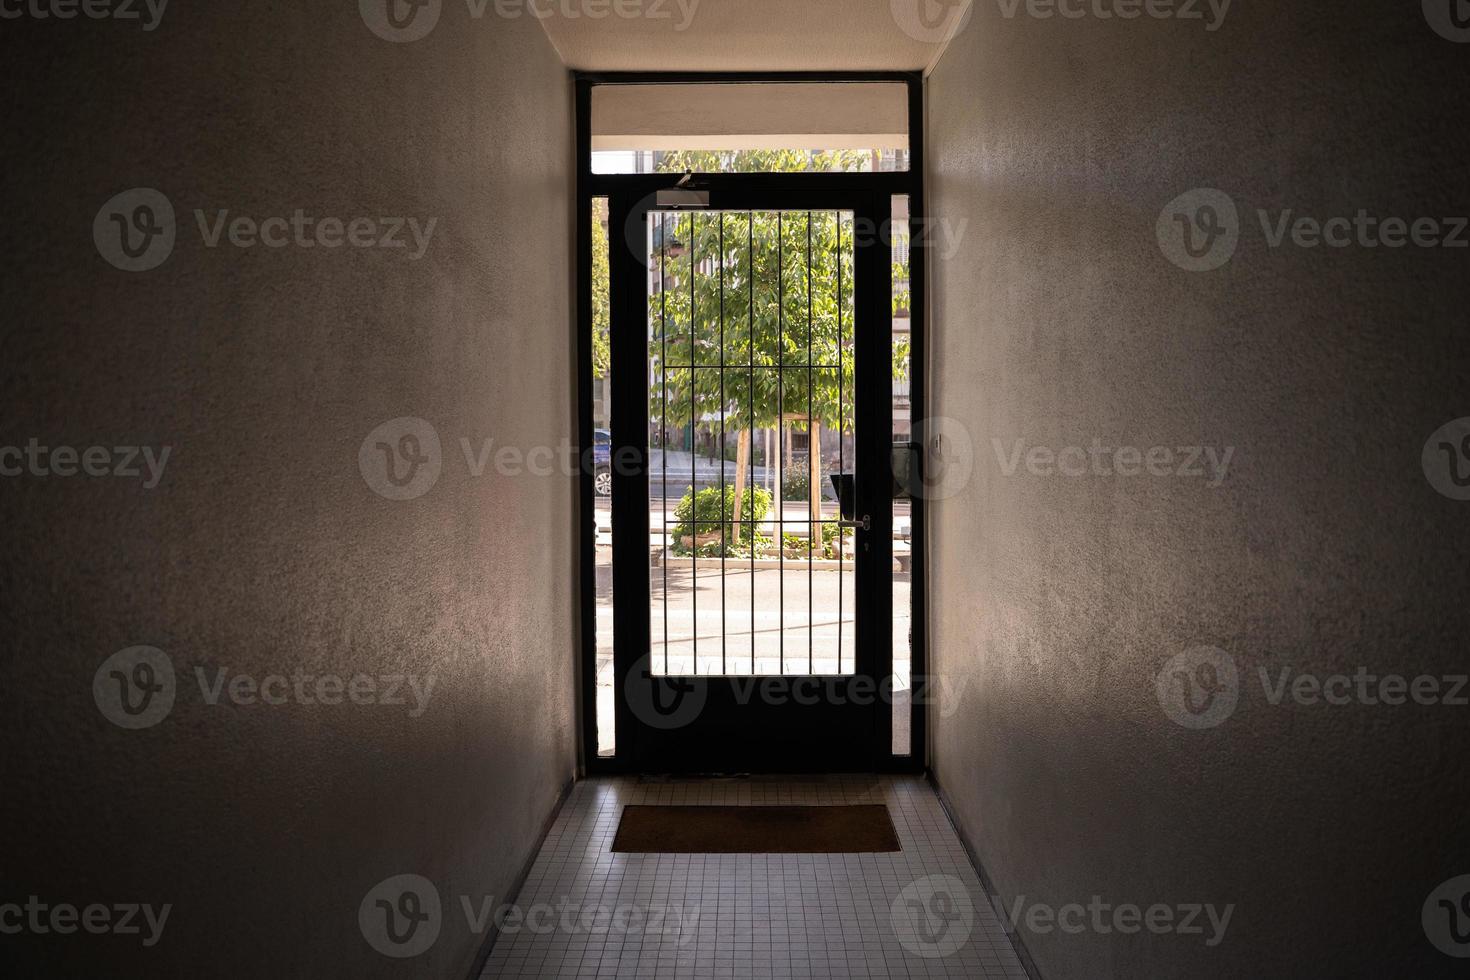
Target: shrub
<point>796,485</point>
<point>711,511</point>
<point>797,545</point>
<point>830,532</point>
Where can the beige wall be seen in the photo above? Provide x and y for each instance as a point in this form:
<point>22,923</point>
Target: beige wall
<point>1058,599</point>
<point>263,549</point>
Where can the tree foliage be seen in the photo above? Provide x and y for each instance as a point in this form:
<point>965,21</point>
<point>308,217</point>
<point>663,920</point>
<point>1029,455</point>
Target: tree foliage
<point>601,293</point>
<point>772,345</point>
<point>772,291</point>
<point>768,297</point>
<point>752,324</point>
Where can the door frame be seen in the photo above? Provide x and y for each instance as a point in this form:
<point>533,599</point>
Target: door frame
<point>590,186</point>
<point>735,732</point>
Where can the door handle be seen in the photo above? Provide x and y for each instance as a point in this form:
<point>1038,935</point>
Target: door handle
<point>866,523</point>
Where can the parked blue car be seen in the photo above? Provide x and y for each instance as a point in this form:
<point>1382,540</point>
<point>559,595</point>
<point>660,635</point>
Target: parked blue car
<point>602,462</point>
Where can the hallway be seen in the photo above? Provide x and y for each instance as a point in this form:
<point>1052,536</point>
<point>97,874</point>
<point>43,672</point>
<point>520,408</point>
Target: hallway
<point>707,917</point>
<point>431,427</point>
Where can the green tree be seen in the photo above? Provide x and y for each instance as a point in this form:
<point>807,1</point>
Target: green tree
<point>601,295</point>
<point>770,297</point>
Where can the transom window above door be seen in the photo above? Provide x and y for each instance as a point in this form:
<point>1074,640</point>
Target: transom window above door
<point>750,128</point>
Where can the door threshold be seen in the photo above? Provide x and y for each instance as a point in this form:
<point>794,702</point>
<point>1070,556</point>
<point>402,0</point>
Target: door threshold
<point>733,777</point>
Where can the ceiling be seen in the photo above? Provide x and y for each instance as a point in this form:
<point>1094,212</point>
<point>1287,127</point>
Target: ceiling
<point>751,35</point>
<point>766,116</point>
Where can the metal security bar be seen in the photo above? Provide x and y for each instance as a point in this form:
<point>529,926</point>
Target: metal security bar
<point>719,283</point>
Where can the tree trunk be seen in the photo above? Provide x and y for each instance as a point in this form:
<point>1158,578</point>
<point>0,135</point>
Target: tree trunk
<point>742,461</point>
<point>771,466</point>
<point>814,457</point>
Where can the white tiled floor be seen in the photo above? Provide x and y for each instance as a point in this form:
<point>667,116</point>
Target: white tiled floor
<point>593,914</point>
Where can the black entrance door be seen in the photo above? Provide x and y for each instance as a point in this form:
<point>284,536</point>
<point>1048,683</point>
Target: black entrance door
<point>752,378</point>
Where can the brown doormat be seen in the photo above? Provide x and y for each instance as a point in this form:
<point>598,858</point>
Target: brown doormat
<point>755,830</point>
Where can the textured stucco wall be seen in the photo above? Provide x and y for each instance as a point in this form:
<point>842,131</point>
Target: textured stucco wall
<point>263,549</point>
<point>1058,599</point>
